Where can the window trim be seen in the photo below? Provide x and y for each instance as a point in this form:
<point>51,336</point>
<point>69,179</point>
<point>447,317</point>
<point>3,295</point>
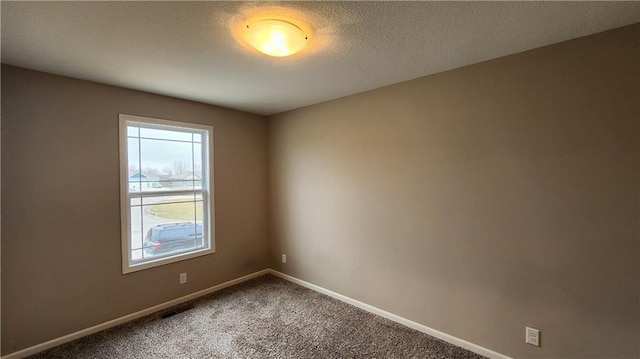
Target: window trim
<point>125,204</point>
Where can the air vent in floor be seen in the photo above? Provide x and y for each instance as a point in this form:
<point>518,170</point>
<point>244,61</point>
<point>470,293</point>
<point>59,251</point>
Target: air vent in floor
<point>175,310</point>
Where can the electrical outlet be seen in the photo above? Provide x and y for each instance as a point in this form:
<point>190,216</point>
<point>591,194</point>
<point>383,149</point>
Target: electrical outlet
<point>284,258</point>
<point>532,336</point>
<point>183,278</point>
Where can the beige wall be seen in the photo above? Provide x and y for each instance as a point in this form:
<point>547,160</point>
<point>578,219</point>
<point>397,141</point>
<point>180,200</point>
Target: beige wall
<point>477,201</point>
<point>61,269</point>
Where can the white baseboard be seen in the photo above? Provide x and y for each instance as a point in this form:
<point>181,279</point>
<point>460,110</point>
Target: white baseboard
<point>112,323</point>
<point>369,308</point>
<point>395,318</point>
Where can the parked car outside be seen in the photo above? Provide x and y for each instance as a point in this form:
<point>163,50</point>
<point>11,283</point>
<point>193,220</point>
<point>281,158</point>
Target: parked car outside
<point>173,237</point>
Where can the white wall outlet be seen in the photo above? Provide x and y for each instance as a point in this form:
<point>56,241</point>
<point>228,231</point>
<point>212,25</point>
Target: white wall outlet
<point>532,336</point>
<point>183,278</point>
<point>284,258</point>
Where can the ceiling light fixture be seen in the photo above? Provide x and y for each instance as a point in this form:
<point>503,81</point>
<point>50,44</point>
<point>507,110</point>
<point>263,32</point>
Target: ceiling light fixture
<point>273,37</point>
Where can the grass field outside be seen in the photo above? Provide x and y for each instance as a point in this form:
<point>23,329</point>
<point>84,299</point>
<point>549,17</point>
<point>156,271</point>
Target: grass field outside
<point>177,211</point>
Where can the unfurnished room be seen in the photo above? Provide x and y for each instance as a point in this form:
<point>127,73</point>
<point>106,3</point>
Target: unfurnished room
<point>320,179</point>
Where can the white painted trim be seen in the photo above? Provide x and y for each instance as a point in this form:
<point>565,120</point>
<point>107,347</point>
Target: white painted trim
<point>369,308</point>
<point>395,318</point>
<point>125,204</point>
<point>112,323</point>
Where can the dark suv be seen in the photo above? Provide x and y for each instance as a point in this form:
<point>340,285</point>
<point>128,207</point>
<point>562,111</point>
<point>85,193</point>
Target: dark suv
<point>170,237</point>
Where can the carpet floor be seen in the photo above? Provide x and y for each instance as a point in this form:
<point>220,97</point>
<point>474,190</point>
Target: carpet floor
<point>266,317</point>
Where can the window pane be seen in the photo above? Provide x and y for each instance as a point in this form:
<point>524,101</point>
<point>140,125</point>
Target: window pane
<point>197,137</point>
<point>172,135</point>
<point>197,160</point>
<point>136,232</point>
<point>173,198</point>
<point>165,160</point>
<point>174,227</point>
<point>178,185</point>
<point>133,131</point>
<point>153,185</point>
<point>187,184</point>
<point>160,153</point>
<point>174,209</point>
<point>176,198</point>
<point>134,164</point>
<point>167,220</point>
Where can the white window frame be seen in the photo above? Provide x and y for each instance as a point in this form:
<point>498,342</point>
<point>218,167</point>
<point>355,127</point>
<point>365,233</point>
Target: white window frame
<point>208,215</point>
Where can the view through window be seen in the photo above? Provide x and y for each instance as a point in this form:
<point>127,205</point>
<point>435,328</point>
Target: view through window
<point>166,191</point>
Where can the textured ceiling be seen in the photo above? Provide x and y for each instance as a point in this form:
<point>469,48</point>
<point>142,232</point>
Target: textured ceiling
<point>188,49</point>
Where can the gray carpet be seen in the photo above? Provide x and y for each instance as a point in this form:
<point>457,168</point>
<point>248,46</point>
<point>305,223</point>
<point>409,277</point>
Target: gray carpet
<point>266,317</point>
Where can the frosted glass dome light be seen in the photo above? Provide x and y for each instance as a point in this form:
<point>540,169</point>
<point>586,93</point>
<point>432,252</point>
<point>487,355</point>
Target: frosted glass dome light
<point>274,37</point>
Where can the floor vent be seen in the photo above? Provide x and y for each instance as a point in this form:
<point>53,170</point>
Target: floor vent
<point>175,310</point>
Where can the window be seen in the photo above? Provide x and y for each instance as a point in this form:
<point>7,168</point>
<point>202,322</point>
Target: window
<point>166,191</point>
